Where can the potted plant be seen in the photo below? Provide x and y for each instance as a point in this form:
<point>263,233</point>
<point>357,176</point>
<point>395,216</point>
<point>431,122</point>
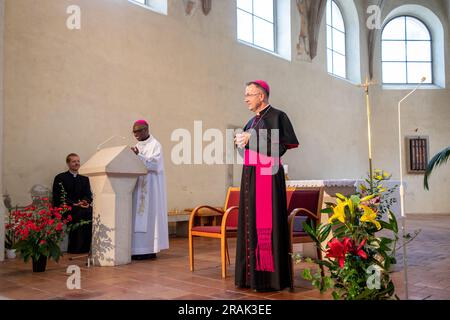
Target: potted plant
<point>361,249</point>
<point>39,229</point>
<point>438,159</point>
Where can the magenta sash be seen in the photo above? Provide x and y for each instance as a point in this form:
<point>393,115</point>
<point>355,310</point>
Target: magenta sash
<point>263,164</point>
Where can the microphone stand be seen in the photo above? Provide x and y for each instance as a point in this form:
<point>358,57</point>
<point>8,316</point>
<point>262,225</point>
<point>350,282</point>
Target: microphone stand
<point>109,139</point>
<point>402,190</point>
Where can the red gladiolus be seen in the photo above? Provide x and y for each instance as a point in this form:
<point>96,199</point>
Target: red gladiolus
<point>58,216</point>
<point>59,226</point>
<point>69,217</point>
<point>42,242</point>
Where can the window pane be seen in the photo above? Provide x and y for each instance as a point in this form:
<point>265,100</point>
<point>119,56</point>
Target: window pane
<point>394,72</point>
<point>330,61</point>
<point>245,5</point>
<point>419,50</point>
<point>244,26</point>
<point>263,9</point>
<point>338,22</point>
<point>416,30</point>
<point>264,34</point>
<point>339,41</point>
<point>140,1</point>
<point>339,65</point>
<point>329,35</point>
<point>395,29</point>
<point>393,51</point>
<point>329,12</point>
<point>418,70</point>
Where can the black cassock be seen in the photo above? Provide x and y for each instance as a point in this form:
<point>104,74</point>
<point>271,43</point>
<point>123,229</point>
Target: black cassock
<point>246,274</point>
<point>77,188</point>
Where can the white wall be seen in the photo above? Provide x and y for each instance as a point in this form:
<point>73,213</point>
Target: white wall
<point>67,91</point>
<point>425,113</point>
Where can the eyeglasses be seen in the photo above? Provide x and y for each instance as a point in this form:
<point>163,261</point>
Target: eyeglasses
<point>139,130</point>
<point>251,94</point>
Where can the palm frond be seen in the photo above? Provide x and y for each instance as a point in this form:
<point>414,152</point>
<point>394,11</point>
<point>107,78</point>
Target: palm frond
<point>438,159</point>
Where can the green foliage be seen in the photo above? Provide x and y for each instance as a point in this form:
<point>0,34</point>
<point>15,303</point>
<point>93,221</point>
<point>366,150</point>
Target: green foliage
<point>358,254</point>
<point>438,159</point>
<point>10,238</point>
<point>40,228</point>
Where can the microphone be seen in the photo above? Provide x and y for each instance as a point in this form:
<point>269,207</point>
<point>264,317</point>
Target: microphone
<point>109,139</point>
<point>417,87</point>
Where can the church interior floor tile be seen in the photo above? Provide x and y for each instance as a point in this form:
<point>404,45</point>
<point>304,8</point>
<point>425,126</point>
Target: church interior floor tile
<point>168,276</point>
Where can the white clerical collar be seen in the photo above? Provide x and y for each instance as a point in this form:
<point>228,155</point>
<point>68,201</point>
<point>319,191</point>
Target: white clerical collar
<point>149,139</point>
<point>73,173</point>
<point>264,110</point>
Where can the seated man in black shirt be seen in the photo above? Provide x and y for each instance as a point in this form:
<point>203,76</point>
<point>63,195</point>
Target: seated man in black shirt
<point>78,195</point>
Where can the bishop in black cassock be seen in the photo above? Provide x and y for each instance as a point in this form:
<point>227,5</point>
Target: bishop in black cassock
<point>79,197</point>
<point>262,252</point>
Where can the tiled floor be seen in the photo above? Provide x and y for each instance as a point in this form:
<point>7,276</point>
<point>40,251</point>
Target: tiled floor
<point>168,277</point>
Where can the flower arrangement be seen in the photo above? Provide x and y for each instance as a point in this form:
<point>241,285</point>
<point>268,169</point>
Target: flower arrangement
<point>39,229</point>
<point>360,243</point>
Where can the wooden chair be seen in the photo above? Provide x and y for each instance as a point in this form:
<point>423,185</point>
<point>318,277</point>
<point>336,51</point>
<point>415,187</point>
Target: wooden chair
<point>304,203</point>
<point>227,228</point>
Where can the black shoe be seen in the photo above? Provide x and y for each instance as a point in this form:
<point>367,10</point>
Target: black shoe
<point>143,256</point>
<point>242,287</point>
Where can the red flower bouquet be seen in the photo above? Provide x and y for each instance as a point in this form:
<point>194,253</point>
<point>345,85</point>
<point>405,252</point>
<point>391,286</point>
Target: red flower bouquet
<point>39,229</point>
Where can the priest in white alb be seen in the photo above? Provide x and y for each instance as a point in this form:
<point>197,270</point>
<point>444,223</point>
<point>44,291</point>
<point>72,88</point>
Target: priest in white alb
<point>150,227</point>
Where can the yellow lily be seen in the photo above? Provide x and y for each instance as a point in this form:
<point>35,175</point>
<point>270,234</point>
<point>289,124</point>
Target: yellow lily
<point>338,212</point>
<point>370,216</point>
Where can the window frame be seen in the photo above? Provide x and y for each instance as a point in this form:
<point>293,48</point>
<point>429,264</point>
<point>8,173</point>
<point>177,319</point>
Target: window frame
<point>332,46</point>
<point>148,5</point>
<point>405,62</point>
<point>274,29</point>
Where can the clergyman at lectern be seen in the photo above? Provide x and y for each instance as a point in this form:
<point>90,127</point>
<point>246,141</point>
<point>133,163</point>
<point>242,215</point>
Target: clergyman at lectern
<point>150,227</point>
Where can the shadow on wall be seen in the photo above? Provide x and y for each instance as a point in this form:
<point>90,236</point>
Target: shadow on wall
<point>101,241</point>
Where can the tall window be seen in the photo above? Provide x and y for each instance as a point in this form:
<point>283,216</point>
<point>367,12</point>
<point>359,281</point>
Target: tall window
<point>256,23</point>
<point>406,51</point>
<point>159,6</point>
<point>335,41</point>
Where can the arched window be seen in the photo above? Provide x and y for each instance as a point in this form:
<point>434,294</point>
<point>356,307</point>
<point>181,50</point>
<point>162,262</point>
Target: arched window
<point>335,40</point>
<point>406,54</point>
